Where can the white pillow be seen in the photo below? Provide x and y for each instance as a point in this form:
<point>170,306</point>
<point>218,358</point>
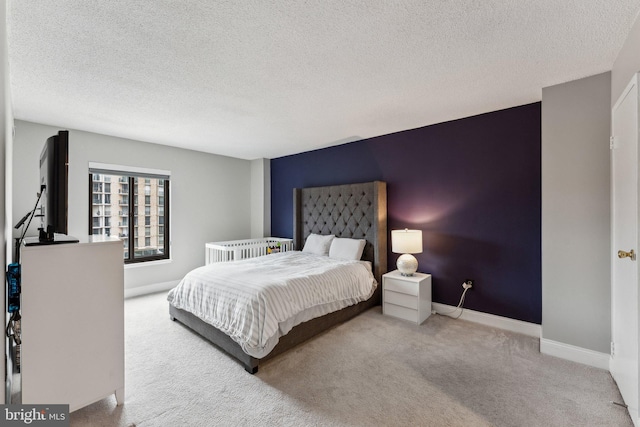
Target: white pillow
<point>347,248</point>
<point>317,244</point>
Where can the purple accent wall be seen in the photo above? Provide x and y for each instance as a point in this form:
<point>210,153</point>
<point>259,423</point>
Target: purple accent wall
<point>472,185</point>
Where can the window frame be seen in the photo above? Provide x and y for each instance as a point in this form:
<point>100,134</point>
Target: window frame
<point>130,174</point>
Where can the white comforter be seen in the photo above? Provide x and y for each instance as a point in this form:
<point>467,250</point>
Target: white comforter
<point>258,300</point>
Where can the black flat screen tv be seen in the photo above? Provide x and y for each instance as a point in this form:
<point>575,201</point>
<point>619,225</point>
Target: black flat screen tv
<point>54,182</point>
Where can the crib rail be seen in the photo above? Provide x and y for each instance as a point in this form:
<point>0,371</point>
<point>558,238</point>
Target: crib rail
<point>248,248</point>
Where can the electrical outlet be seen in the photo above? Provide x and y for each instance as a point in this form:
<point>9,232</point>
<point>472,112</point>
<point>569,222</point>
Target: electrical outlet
<point>467,284</point>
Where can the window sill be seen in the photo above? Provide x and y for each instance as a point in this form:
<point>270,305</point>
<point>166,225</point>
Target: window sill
<point>147,263</point>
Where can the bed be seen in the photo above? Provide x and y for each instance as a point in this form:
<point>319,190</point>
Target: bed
<point>356,211</point>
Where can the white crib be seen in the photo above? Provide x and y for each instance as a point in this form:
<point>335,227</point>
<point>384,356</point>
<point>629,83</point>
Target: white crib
<point>242,249</point>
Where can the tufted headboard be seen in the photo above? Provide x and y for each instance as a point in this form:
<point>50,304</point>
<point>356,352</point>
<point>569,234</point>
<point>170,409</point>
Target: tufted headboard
<point>357,211</point>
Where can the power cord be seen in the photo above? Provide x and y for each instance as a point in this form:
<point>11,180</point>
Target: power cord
<point>13,325</point>
<point>468,284</point>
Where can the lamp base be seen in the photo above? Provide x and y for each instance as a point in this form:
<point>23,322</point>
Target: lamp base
<point>407,264</point>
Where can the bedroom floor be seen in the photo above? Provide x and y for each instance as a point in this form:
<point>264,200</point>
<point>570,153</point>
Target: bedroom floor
<point>371,371</point>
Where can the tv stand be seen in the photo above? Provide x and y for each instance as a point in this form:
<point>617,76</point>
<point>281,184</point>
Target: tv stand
<point>73,322</point>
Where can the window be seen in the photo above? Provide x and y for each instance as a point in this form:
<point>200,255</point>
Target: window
<point>135,194</point>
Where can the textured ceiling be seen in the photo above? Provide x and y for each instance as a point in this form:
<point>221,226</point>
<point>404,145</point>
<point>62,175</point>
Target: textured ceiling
<point>253,79</point>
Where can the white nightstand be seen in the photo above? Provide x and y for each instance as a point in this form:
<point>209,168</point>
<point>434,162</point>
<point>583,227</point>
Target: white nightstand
<point>406,297</point>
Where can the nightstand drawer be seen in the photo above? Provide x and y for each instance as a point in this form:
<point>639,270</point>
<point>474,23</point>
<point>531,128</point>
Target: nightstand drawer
<point>406,297</point>
<point>397,298</point>
<point>404,287</point>
<point>401,312</point>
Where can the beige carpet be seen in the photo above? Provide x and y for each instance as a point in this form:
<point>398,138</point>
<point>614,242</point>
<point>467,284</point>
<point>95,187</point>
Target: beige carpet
<point>371,371</point>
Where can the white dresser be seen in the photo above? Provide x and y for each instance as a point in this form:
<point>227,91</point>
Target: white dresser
<point>406,297</point>
<point>73,322</point>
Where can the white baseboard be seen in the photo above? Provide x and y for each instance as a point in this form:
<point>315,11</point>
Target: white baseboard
<point>552,348</point>
<point>150,289</point>
<point>575,354</point>
<point>526,328</point>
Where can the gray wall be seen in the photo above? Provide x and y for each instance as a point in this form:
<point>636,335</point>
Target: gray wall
<point>6,141</point>
<point>210,194</point>
<point>260,198</point>
<point>576,302</point>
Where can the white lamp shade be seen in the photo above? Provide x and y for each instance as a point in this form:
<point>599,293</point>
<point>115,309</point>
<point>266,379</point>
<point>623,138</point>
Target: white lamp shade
<point>406,241</point>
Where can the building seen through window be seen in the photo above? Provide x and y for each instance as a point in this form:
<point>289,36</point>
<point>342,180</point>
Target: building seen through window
<point>116,202</point>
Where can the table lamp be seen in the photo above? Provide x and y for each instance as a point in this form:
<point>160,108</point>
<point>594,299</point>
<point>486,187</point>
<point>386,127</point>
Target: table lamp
<point>406,242</point>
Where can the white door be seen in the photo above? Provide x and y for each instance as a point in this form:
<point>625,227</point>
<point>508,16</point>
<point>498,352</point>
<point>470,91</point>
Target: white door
<point>624,269</point>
